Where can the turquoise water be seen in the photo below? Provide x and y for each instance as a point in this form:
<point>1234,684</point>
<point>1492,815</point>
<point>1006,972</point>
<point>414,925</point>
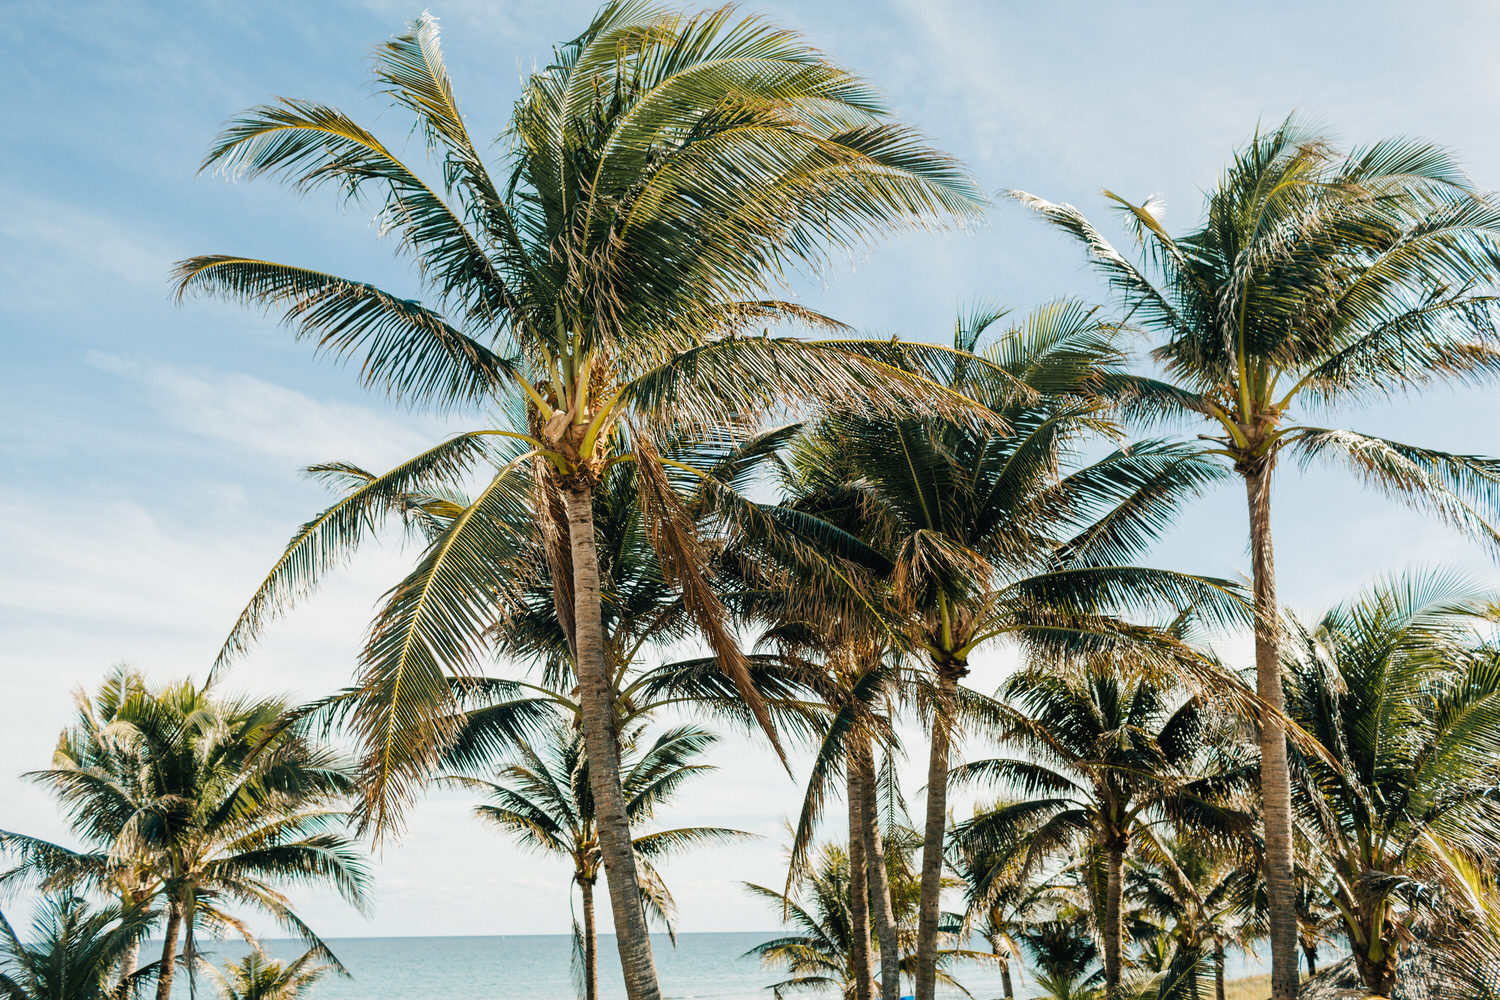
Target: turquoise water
<point>535,967</point>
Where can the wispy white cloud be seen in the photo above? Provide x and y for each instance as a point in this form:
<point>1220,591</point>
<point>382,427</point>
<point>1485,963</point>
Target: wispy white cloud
<point>263,418</point>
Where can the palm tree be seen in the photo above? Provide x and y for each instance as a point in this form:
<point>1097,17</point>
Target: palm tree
<point>975,535</point>
<point>1003,899</point>
<point>662,169</point>
<point>1316,279</point>
<point>1107,753</point>
<point>1204,895</point>
<point>256,977</point>
<point>822,956</point>
<point>544,799</point>
<point>75,952</point>
<point>199,803</point>
<point>1405,700</point>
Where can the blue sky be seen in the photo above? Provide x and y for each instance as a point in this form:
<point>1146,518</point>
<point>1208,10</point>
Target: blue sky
<point>149,452</point>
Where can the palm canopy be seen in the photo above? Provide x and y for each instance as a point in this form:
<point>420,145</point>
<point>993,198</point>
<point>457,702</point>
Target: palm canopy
<point>256,977</point>
<point>1399,689</point>
<point>660,171</point>
<point>1320,280</point>
<point>543,800</point>
<point>75,952</point>
<point>978,533</point>
<point>204,802</point>
<point>1107,755</point>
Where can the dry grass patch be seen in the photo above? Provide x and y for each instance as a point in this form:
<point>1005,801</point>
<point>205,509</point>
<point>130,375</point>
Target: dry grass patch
<point>1253,988</point>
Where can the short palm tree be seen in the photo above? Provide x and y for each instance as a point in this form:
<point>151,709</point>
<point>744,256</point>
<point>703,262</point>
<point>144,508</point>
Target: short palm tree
<point>1107,753</point>
<point>544,799</point>
<point>197,803</point>
<point>1316,280</point>
<point>1399,691</point>
<point>822,956</point>
<point>1204,896</point>
<point>74,952</point>
<point>661,170</point>
<point>256,977</point>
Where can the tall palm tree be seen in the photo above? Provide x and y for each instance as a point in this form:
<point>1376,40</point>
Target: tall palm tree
<point>544,799</point>
<point>1106,754</point>
<point>74,952</point>
<point>1396,686</point>
<point>974,535</point>
<point>256,977</point>
<point>199,803</point>
<point>662,169</point>
<point>1316,280</point>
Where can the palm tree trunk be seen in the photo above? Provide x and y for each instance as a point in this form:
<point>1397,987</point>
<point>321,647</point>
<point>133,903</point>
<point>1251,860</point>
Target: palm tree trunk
<point>1219,970</point>
<point>169,952</point>
<point>1310,952</point>
<point>130,960</point>
<point>1114,924</point>
<point>878,878</point>
<point>596,709</point>
<point>590,942</point>
<point>1275,777</point>
<point>936,827</point>
<point>1010,992</point>
<point>859,899</point>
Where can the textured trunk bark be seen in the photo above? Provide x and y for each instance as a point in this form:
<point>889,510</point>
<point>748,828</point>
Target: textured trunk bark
<point>1114,925</point>
<point>169,953</point>
<point>1275,777</point>
<point>590,942</point>
<point>881,910</point>
<point>859,900</point>
<point>932,839</point>
<point>596,709</point>
<point>1219,970</point>
<point>129,961</point>
<point>1377,962</point>
<point>1010,992</point>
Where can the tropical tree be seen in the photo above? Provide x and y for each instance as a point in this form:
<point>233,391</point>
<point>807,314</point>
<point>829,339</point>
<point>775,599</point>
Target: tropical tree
<point>1316,280</point>
<point>1403,697</point>
<point>975,535</point>
<point>197,803</point>
<point>822,957</point>
<point>1107,753</point>
<point>1204,896</point>
<point>256,977</point>
<point>544,800</point>
<point>661,170</point>
<point>1003,896</point>
<point>74,952</point>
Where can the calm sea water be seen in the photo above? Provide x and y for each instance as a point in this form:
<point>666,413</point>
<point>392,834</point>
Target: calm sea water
<point>535,967</point>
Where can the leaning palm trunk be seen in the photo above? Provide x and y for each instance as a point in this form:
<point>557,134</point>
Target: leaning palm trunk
<point>1275,777</point>
<point>596,709</point>
<point>935,828</point>
<point>882,912</point>
<point>1219,969</point>
<point>859,896</point>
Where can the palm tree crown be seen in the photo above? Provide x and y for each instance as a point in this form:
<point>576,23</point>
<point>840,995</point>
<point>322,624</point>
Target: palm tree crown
<point>1403,697</point>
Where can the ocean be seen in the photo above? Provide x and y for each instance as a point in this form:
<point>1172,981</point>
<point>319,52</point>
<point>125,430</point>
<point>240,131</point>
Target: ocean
<point>535,967</point>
